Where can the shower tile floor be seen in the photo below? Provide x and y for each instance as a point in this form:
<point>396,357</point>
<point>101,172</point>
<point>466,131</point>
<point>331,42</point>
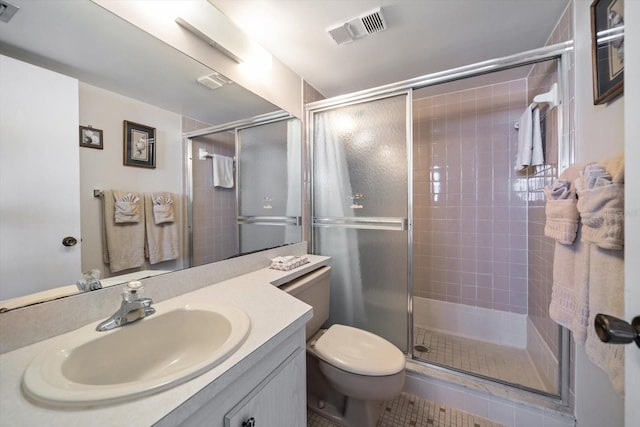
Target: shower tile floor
<point>503,363</point>
<point>408,410</point>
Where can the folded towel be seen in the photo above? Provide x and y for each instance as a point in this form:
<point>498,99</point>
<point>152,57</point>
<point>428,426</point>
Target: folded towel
<point>606,295</point>
<point>530,151</point>
<point>561,207</point>
<point>601,203</point>
<point>162,208</point>
<point>123,243</point>
<point>127,207</point>
<point>286,263</point>
<point>222,171</point>
<point>602,215</point>
<point>163,239</point>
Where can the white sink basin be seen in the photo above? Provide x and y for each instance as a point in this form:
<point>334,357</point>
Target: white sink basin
<point>172,346</point>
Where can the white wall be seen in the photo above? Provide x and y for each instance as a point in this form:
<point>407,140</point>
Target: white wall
<point>104,169</point>
<point>599,135</point>
<point>632,225</point>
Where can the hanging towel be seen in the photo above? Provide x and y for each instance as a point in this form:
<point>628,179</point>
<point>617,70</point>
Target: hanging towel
<point>606,295</point>
<point>123,243</point>
<point>530,152</point>
<point>162,208</point>
<point>127,207</point>
<point>222,171</point>
<point>569,305</point>
<point>163,240</point>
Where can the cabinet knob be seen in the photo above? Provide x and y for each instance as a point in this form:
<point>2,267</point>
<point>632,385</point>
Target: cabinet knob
<point>251,422</point>
<point>617,331</point>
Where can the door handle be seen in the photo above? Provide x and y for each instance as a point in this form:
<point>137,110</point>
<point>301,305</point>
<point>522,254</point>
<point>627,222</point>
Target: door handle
<point>69,241</point>
<point>617,331</point>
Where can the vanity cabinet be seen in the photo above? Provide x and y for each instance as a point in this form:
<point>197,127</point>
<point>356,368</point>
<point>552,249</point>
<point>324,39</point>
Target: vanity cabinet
<point>276,400</point>
<point>264,390</point>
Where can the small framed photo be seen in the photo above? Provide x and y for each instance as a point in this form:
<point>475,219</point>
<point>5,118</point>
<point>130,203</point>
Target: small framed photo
<point>90,137</point>
<point>139,145</point>
<point>607,33</point>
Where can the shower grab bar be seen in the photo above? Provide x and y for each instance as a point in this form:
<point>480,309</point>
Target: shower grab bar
<point>270,220</point>
<point>374,223</point>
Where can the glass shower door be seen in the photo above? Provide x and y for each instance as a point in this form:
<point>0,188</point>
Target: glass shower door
<point>269,201</point>
<point>360,212</point>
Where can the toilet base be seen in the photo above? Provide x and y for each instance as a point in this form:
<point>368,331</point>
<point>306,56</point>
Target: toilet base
<point>326,401</point>
<point>356,413</point>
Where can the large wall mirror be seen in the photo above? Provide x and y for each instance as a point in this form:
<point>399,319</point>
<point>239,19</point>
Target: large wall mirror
<point>108,72</point>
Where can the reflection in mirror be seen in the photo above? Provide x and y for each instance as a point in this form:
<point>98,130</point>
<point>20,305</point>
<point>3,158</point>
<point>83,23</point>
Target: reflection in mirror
<point>262,208</point>
<point>114,72</point>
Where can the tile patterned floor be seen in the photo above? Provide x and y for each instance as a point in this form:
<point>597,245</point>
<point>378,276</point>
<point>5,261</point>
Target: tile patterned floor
<point>508,364</point>
<point>407,410</point>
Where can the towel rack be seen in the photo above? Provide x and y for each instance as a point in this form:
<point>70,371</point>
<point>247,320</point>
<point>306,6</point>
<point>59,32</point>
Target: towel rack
<point>203,154</point>
<point>550,98</point>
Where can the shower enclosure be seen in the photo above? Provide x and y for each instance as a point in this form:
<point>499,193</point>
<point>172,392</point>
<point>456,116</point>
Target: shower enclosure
<point>436,240</point>
<point>263,207</point>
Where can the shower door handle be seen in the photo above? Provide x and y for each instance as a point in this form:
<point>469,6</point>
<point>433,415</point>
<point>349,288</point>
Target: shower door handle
<point>370,223</point>
<point>617,331</point>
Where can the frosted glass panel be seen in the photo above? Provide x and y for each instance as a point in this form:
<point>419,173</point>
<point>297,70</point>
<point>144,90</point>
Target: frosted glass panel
<point>360,151</point>
<point>370,290</point>
<point>275,189</point>
<point>257,237</point>
<point>269,183</point>
<point>360,173</point>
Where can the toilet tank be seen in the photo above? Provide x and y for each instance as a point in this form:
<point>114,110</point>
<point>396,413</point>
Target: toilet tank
<point>313,289</point>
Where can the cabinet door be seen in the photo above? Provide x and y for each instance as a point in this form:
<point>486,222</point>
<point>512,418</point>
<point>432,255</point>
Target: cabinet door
<point>278,401</point>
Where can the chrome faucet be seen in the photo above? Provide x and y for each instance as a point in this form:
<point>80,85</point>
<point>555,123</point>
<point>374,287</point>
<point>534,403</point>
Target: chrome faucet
<point>131,309</point>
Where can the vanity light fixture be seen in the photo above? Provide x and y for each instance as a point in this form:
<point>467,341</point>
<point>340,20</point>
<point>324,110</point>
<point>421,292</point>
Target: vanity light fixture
<point>212,26</point>
<point>7,10</point>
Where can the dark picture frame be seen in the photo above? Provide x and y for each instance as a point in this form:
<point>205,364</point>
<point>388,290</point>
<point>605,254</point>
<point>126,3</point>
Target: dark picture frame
<point>139,145</point>
<point>607,34</point>
<point>91,137</point>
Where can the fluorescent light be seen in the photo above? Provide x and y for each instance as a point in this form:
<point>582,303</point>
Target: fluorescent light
<point>219,32</point>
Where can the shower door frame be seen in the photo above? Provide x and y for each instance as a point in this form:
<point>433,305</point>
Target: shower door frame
<point>188,160</point>
<point>566,154</point>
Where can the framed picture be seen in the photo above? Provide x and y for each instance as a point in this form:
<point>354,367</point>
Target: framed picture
<point>90,137</point>
<point>139,145</point>
<point>607,32</point>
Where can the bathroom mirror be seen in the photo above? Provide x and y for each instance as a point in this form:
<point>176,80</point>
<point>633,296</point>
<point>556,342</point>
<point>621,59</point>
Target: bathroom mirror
<point>113,59</point>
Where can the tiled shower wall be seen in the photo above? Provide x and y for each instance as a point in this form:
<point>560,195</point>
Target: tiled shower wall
<point>215,235</point>
<point>470,217</point>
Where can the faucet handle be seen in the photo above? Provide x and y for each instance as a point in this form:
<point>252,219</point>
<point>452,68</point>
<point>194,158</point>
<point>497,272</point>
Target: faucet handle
<point>132,290</point>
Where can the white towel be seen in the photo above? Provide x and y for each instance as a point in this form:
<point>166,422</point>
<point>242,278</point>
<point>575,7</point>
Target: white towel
<point>163,240</point>
<point>530,152</point>
<point>606,295</point>
<point>123,243</point>
<point>127,207</point>
<point>222,171</point>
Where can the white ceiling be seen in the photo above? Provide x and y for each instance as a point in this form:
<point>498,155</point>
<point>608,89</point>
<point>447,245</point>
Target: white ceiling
<point>423,36</point>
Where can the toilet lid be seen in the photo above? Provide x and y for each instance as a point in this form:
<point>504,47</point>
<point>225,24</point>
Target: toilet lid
<point>359,352</point>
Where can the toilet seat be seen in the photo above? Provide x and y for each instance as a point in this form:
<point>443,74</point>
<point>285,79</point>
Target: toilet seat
<point>359,352</point>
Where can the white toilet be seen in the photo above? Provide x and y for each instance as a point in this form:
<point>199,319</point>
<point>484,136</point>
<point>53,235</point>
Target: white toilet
<point>349,371</point>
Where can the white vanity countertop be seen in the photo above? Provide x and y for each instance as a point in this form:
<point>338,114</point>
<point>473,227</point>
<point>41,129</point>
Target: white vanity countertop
<point>270,311</point>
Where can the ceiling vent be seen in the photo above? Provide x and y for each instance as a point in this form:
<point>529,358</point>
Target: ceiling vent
<point>364,25</point>
<point>214,81</point>
<point>7,10</point>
